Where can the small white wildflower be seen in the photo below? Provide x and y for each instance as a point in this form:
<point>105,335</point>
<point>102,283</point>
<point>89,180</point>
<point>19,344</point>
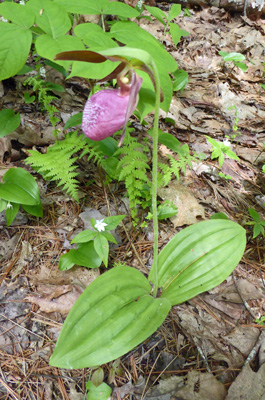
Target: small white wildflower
<point>140,3</point>
<point>42,72</point>
<point>226,142</point>
<point>100,225</point>
<point>22,2</point>
<point>9,205</point>
<point>3,19</point>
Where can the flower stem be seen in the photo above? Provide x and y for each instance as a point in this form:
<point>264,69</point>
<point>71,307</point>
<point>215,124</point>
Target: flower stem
<point>154,177</point>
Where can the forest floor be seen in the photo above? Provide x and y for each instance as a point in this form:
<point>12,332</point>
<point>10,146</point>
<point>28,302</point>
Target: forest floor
<point>209,348</point>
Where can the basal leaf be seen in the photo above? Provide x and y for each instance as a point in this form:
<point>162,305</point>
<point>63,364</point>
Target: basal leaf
<point>19,187</point>
<point>112,316</point>
<point>11,213</point>
<point>14,41</point>
<point>199,258</point>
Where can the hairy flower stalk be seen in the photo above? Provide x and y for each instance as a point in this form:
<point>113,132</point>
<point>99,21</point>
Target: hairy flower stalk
<point>108,111</point>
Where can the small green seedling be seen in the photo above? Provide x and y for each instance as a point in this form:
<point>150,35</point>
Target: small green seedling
<point>236,59</point>
<point>258,223</point>
<point>19,188</point>
<point>235,126</point>
<point>96,388</point>
<point>220,150</point>
<point>261,320</point>
<point>92,245</point>
<point>169,27</point>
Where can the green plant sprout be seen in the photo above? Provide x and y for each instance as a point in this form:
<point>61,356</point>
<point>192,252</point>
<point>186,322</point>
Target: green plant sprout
<point>19,188</point>
<point>220,150</point>
<point>92,245</point>
<point>261,320</point>
<point>235,126</point>
<point>96,388</point>
<point>258,223</point>
<point>121,305</point>
<point>235,58</point>
<point>169,27</point>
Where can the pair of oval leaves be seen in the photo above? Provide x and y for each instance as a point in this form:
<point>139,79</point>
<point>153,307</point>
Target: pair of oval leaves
<point>117,311</point>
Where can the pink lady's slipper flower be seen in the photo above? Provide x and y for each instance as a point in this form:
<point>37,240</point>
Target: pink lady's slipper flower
<point>108,111</point>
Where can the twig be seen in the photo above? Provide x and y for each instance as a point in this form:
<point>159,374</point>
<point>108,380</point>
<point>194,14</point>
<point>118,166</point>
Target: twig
<point>255,349</point>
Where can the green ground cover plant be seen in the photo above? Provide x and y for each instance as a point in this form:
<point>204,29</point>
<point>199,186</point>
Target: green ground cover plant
<point>123,306</point>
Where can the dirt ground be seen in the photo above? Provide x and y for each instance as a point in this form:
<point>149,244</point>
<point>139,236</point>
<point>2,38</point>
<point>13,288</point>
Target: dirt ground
<point>209,348</point>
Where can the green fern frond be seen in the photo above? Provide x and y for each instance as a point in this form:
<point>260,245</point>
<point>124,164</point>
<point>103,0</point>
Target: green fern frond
<point>134,166</point>
<point>58,164</point>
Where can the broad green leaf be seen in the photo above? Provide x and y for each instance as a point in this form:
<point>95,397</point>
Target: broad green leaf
<point>88,7</point>
<point>15,46</point>
<point>157,13</point>
<point>3,204</point>
<point>85,255</point>
<point>48,47</point>
<point>101,246</point>
<point>242,66</point>
<point>85,236</point>
<point>257,229</point>
<point>65,262</point>
<point>50,17</point>
<point>170,141</point>
<point>127,51</point>
<point>9,121</point>
<point>91,70</point>
<point>219,215</point>
<point>101,392</point>
<point>231,56</point>
<point>94,36</point>
<point>37,210</point>
<point>135,37</point>
<point>176,33</point>
<point>181,78</point>
<point>166,211</point>
<point>18,14</point>
<point>74,120</point>
<point>146,102</point>
<point>109,237</point>
<point>108,146</point>
<point>174,11</point>
<point>11,213</point>
<point>199,258</point>
<point>113,222</point>
<point>131,34</point>
<point>121,9</point>
<point>254,214</point>
<point>113,315</point>
<point>19,187</point>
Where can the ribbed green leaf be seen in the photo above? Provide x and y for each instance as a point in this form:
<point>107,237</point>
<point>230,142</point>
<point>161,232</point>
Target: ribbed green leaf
<point>19,187</point>
<point>113,315</point>
<point>199,258</point>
